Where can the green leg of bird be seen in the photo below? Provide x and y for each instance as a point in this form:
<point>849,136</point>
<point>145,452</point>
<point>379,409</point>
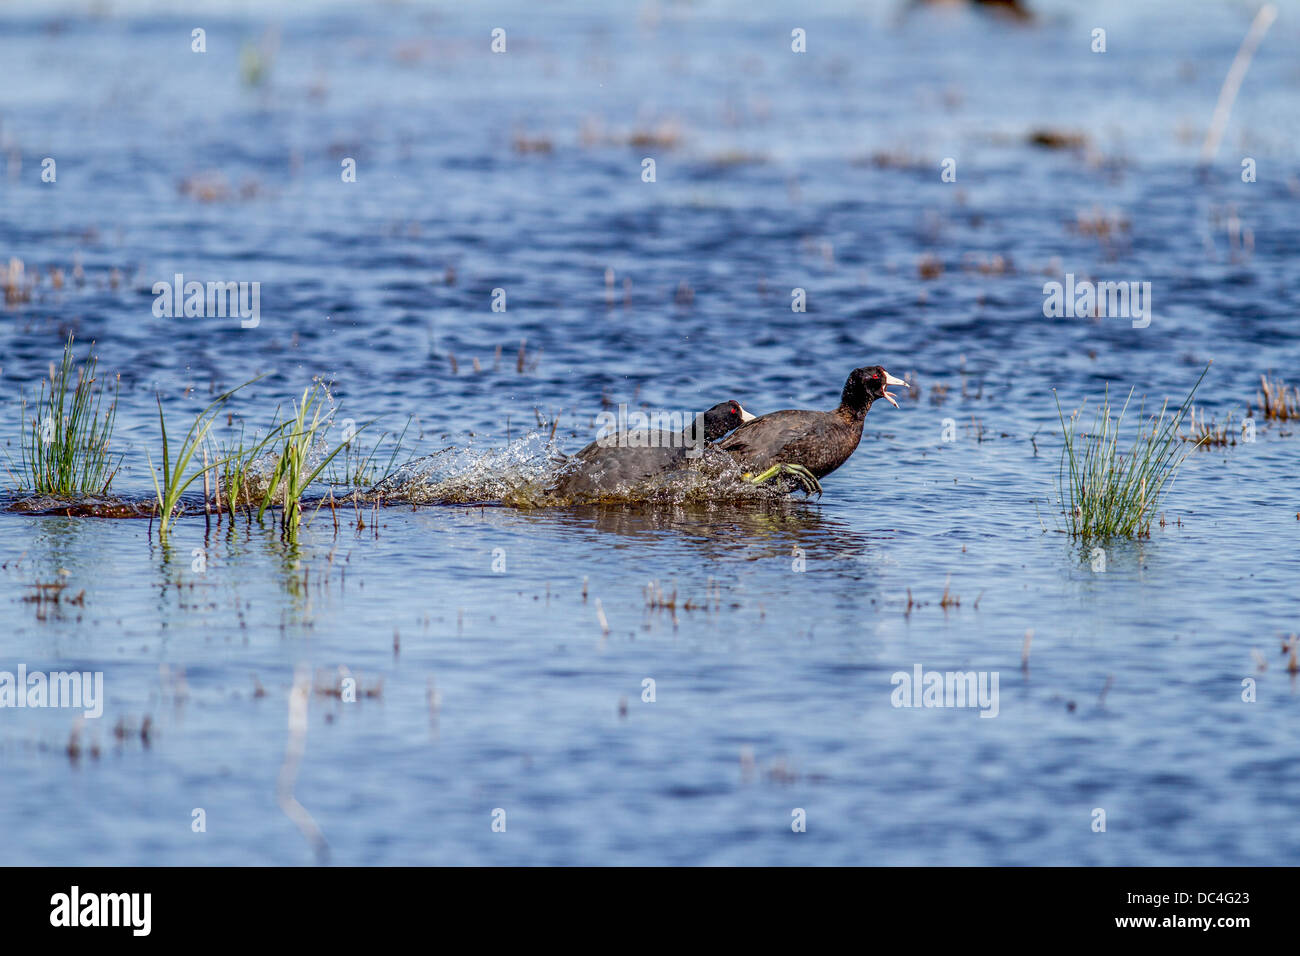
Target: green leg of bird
<point>806,479</point>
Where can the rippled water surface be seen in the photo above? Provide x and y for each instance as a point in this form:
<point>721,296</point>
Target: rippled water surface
<point>501,652</point>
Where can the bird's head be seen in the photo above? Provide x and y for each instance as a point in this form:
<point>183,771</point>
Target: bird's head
<point>865,385</point>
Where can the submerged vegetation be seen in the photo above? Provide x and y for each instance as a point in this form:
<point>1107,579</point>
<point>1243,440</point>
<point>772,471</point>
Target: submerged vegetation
<point>65,443</point>
<point>1105,492</point>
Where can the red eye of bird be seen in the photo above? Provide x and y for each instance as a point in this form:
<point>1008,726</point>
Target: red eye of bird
<point>734,410</point>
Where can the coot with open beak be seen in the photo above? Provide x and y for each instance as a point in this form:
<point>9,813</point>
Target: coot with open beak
<point>808,445</point>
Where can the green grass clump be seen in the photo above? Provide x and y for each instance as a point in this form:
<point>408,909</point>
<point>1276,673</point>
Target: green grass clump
<point>294,469</point>
<point>235,463</point>
<point>65,442</point>
<point>1108,493</point>
<point>173,480</point>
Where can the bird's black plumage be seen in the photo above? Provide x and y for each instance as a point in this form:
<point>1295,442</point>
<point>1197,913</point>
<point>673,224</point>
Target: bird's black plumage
<point>624,458</point>
<point>818,441</point>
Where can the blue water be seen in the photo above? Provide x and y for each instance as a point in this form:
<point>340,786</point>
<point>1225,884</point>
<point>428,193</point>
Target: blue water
<point>774,171</point>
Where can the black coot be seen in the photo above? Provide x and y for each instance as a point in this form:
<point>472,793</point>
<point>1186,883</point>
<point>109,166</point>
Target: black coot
<point>808,445</point>
<point>625,458</point>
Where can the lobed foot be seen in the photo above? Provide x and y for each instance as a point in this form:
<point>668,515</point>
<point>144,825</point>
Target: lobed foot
<point>806,479</point>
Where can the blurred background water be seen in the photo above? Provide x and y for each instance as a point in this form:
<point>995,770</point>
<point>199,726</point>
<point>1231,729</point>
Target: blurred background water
<point>774,171</point>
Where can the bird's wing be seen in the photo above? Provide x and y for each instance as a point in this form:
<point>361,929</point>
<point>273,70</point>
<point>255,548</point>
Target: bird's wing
<point>766,434</point>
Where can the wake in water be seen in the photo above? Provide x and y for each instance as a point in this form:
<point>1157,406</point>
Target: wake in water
<point>524,475</point>
<point>90,506</point>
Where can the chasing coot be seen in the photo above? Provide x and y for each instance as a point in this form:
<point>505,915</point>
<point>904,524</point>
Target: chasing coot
<point>627,457</point>
<point>809,445</point>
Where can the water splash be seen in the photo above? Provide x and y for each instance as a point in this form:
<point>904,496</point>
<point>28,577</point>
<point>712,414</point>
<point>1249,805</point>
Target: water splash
<point>524,475</point>
<point>518,475</point>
